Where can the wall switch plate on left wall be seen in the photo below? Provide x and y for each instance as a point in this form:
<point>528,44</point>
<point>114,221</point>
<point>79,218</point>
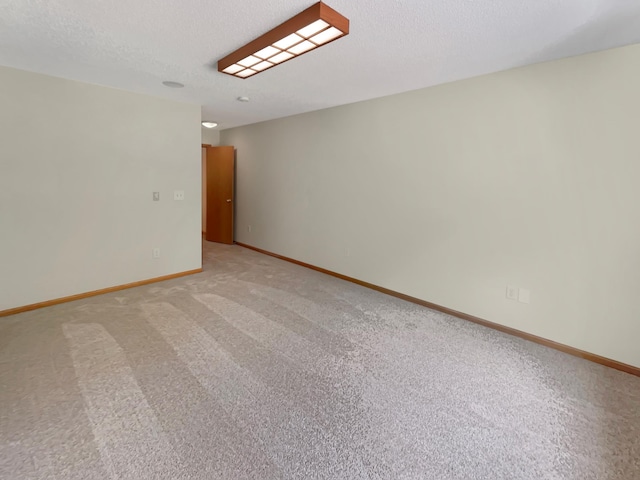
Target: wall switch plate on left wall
<point>524,295</point>
<point>512,292</point>
<point>156,196</point>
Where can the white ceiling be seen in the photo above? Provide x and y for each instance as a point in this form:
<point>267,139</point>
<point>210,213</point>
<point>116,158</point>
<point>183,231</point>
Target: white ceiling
<point>394,46</point>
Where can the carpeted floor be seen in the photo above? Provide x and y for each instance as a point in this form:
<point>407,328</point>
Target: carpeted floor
<point>260,369</point>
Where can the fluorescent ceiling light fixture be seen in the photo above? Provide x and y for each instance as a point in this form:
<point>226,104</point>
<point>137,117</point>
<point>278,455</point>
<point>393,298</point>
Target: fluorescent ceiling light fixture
<point>171,84</point>
<point>315,26</point>
<point>209,124</point>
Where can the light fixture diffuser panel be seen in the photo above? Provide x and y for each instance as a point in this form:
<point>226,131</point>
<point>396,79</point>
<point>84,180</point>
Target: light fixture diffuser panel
<point>267,52</point>
<point>281,57</point>
<point>312,29</point>
<point>326,36</point>
<point>246,73</point>
<point>288,41</point>
<point>317,25</point>
<point>302,47</point>
<point>249,61</point>
<point>262,66</point>
<point>233,69</point>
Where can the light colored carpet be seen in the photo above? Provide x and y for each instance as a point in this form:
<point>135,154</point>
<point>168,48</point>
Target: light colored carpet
<point>260,369</point>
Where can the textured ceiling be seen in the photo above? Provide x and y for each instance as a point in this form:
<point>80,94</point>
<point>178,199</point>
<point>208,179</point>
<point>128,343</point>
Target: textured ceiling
<point>393,46</point>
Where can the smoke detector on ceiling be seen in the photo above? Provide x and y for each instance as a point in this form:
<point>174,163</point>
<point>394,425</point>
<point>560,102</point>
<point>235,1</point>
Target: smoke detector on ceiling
<point>170,84</point>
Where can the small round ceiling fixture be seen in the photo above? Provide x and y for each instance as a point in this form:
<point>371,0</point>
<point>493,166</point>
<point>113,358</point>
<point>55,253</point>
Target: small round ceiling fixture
<point>209,124</point>
<point>171,84</point>
<point>243,99</point>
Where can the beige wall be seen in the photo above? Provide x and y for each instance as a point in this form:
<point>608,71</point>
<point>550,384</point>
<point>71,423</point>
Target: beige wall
<point>210,136</point>
<point>527,177</point>
<point>78,165</point>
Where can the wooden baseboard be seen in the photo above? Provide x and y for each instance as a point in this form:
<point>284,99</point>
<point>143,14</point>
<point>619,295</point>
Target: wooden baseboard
<point>496,326</point>
<point>71,298</point>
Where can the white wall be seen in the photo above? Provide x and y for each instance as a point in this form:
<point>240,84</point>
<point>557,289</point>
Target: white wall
<point>78,165</point>
<point>210,136</point>
<point>527,177</point>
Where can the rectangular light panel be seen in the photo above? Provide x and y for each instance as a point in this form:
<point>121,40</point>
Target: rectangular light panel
<point>246,73</point>
<point>267,52</point>
<point>302,47</point>
<point>233,69</point>
<point>326,36</point>
<point>249,61</point>
<point>287,41</point>
<point>262,66</point>
<point>312,29</point>
<point>281,57</point>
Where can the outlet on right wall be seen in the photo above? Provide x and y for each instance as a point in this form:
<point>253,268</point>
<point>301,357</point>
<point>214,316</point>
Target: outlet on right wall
<point>527,177</point>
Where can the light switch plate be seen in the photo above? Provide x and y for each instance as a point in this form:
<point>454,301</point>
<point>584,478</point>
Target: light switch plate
<point>156,196</point>
<point>524,295</point>
<point>512,292</point>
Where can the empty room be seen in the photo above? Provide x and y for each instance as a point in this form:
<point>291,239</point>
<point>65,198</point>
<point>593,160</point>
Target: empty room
<point>306,240</point>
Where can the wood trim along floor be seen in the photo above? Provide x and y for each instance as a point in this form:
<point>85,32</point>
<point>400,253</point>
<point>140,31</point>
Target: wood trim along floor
<point>496,326</point>
<point>71,298</point>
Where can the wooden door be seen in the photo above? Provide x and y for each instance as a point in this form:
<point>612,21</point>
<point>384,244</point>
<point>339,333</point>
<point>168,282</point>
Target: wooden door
<point>220,195</point>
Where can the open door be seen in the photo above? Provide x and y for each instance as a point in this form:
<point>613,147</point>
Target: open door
<point>220,194</point>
